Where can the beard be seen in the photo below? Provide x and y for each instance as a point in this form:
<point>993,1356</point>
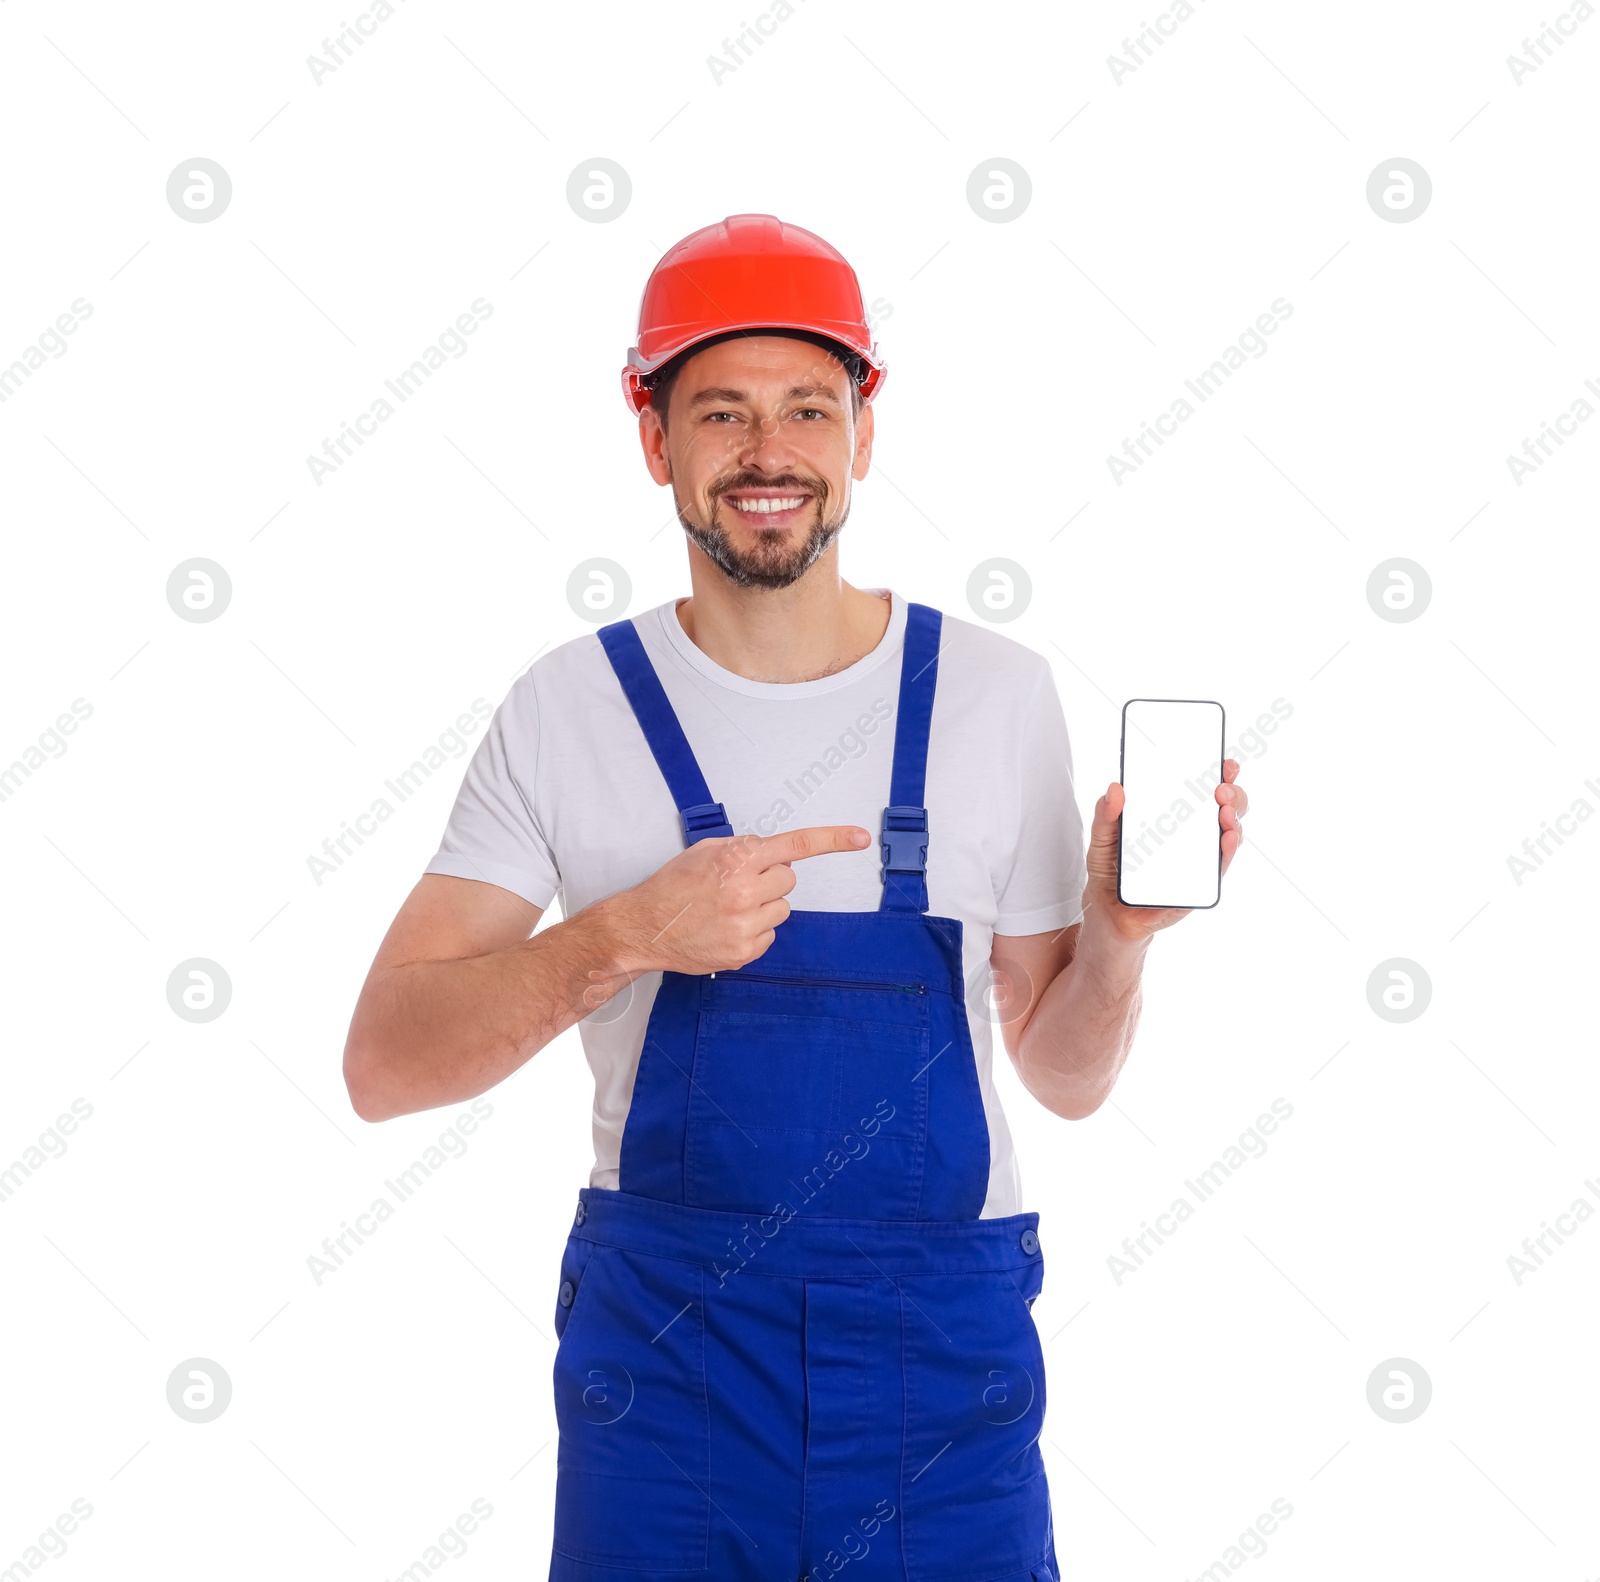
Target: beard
<point>776,560</point>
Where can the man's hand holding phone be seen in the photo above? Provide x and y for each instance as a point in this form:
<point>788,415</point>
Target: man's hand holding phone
<point>1103,891</point>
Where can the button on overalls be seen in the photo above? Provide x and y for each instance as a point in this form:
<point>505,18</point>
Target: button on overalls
<point>788,1347</point>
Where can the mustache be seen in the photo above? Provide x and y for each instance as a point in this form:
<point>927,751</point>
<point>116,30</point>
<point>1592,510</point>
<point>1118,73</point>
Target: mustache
<point>815,487</point>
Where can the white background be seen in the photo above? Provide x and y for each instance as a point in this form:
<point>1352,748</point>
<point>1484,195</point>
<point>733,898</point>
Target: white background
<point>1168,211</point>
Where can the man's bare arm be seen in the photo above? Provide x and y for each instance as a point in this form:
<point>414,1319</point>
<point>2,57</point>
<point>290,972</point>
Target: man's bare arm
<point>1071,999</point>
<point>459,996</point>
<point>1071,1004</point>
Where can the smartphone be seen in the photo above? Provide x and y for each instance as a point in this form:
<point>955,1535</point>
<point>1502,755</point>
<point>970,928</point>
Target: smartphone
<point>1170,852</point>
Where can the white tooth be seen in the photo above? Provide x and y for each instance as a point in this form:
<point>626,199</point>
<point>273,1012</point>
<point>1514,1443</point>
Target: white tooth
<point>765,507</point>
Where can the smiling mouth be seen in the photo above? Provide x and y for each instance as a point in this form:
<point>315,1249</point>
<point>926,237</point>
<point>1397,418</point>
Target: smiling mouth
<point>767,505</point>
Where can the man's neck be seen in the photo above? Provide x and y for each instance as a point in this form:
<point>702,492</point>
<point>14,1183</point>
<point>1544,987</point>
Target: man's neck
<point>784,634</point>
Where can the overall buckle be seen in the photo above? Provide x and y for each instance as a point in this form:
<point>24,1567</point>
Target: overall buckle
<point>705,821</point>
<point>905,839</point>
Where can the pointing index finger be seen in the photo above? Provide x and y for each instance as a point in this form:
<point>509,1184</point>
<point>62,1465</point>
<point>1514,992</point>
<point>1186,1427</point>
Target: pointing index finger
<point>813,842</point>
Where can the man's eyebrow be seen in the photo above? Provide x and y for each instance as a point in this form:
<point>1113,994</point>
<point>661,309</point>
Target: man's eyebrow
<point>721,393</point>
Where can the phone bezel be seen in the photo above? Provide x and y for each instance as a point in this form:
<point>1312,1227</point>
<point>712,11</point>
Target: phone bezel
<point>1122,769</point>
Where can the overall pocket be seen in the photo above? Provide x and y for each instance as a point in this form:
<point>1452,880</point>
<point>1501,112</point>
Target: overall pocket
<point>574,1260</point>
<point>634,1463</point>
<point>975,1501</point>
<point>809,1095</point>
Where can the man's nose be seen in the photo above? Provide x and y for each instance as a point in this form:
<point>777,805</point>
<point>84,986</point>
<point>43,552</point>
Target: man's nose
<point>767,446</point>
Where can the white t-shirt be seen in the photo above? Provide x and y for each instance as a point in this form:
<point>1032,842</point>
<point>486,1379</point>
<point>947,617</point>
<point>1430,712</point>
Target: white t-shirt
<point>563,797</point>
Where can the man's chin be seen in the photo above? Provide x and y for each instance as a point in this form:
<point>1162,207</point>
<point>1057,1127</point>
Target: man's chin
<point>759,571</point>
<point>771,560</point>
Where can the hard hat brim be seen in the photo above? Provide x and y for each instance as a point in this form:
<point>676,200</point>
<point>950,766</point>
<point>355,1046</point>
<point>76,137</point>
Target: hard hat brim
<point>637,373</point>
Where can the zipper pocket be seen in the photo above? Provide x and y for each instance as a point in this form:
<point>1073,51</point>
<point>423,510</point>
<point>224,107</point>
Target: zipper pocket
<point>823,983</point>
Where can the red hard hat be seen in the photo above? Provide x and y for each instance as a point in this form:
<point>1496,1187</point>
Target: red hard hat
<point>748,272</point>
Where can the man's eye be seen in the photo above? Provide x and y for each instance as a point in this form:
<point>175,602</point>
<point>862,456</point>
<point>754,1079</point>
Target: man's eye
<point>811,411</point>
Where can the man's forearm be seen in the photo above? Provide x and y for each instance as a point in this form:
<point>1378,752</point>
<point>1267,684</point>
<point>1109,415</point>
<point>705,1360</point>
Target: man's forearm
<point>428,1033</point>
<point>1078,1037</point>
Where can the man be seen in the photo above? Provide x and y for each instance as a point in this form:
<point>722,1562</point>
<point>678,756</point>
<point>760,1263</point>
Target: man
<point>793,824</point>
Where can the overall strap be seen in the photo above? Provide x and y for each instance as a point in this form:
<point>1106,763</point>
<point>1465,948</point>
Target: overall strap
<point>702,818</point>
<point>905,820</point>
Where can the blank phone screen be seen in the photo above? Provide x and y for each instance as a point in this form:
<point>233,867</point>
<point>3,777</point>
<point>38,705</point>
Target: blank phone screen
<point>1171,848</point>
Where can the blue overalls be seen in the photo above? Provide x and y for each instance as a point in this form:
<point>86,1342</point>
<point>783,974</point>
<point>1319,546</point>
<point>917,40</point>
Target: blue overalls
<point>788,1347</point>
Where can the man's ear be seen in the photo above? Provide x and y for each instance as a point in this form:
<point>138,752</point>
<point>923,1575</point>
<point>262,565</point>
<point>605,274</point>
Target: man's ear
<point>653,441</point>
<point>862,460</point>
